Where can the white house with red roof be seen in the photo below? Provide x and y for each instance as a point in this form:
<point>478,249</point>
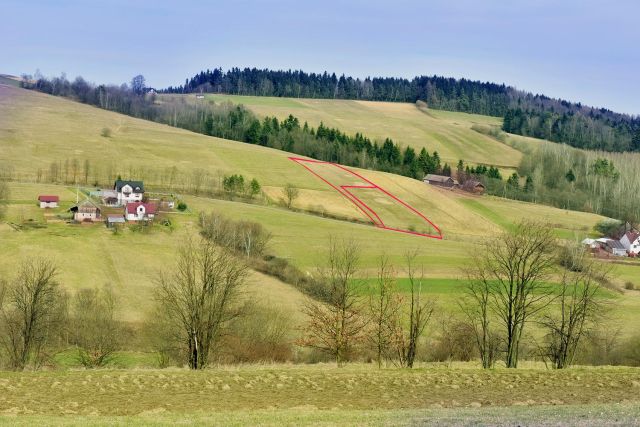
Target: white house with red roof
<point>48,201</point>
<point>631,242</point>
<point>139,211</point>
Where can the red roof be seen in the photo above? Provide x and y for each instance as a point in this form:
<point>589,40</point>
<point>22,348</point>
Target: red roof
<point>48,199</point>
<point>632,236</point>
<point>149,208</point>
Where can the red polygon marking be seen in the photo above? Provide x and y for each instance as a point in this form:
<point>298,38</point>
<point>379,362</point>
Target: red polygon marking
<point>362,206</point>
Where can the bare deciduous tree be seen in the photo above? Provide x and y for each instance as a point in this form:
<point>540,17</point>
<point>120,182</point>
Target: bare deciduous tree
<point>419,314</point>
<point>336,325</point>
<point>199,297</point>
<point>476,306</point>
<point>384,307</point>
<point>513,269</point>
<point>94,328</point>
<point>31,311</point>
<point>580,304</point>
<point>290,193</point>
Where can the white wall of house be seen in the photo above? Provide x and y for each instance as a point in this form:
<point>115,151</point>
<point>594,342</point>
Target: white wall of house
<point>44,205</point>
<point>81,216</point>
<point>127,195</point>
<point>633,247</point>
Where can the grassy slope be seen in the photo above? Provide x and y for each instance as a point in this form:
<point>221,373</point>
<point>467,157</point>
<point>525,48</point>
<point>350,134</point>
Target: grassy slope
<point>36,129</point>
<point>446,132</point>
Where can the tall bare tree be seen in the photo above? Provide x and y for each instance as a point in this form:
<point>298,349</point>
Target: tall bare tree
<point>199,297</point>
<point>476,306</point>
<point>580,304</point>
<point>30,313</point>
<point>336,325</point>
<point>513,269</point>
<point>95,330</point>
<point>419,313</point>
<point>384,307</point>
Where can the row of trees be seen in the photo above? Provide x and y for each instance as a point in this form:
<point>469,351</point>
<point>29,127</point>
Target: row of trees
<point>524,113</point>
<point>594,130</point>
<point>201,299</point>
<point>439,92</point>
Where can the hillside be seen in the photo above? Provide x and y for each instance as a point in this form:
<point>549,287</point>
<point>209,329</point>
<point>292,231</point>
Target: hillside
<point>448,133</point>
<point>37,130</point>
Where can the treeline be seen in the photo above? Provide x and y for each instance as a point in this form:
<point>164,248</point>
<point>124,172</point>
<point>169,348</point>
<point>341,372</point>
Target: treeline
<point>593,129</point>
<point>525,113</point>
<point>439,92</point>
<point>237,123</point>
<point>202,317</point>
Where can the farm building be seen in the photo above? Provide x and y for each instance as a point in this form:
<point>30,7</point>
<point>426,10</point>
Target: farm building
<point>615,247</point>
<point>591,243</point>
<point>473,186</point>
<point>138,211</point>
<point>631,242</point>
<point>48,201</point>
<point>115,220</point>
<point>440,181</point>
<point>85,212</point>
<point>128,191</point>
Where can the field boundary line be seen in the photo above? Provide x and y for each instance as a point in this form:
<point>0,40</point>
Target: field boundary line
<point>361,205</point>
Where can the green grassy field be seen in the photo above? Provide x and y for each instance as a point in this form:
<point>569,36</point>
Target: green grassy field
<point>36,130</point>
<point>319,394</point>
<point>448,133</point>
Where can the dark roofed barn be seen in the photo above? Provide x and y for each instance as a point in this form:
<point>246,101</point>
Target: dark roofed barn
<point>440,181</point>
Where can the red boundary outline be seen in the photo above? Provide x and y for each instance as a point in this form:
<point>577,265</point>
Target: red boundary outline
<point>362,206</point>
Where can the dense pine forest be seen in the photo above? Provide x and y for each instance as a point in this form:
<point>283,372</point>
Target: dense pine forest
<point>525,113</point>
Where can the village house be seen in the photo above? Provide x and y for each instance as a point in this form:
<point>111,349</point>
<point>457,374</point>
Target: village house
<point>128,191</point>
<point>48,201</point>
<point>85,212</point>
<point>440,181</point>
<point>473,186</point>
<point>631,242</point>
<point>138,211</point>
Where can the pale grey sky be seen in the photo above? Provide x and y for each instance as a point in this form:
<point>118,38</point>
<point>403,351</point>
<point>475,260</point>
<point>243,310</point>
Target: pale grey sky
<point>581,50</point>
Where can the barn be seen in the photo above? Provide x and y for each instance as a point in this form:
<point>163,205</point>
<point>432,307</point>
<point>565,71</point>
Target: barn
<point>48,201</point>
<point>441,181</point>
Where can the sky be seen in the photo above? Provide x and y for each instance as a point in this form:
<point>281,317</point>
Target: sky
<point>580,50</point>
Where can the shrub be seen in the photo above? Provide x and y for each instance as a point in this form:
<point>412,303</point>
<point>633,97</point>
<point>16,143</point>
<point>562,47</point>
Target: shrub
<point>609,227</point>
<point>182,206</point>
<point>105,132</point>
<point>629,286</point>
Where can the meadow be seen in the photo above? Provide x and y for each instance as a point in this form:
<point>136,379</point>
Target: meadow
<point>448,133</point>
<point>37,130</point>
<point>321,394</point>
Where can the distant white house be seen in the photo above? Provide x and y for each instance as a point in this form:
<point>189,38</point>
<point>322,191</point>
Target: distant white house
<point>128,191</point>
<point>138,211</point>
<point>631,242</point>
<point>48,201</point>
